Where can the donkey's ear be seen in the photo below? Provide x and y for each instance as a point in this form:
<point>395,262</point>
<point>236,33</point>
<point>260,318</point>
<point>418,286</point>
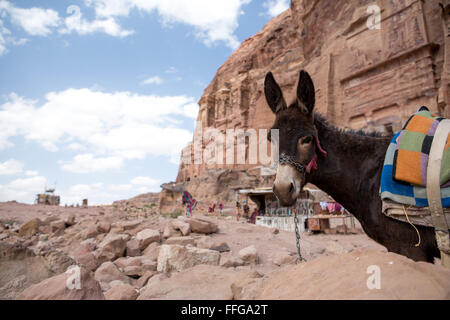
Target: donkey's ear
<point>273,93</point>
<point>306,95</point>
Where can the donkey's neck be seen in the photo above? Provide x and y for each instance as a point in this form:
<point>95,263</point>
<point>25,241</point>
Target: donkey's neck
<point>351,171</point>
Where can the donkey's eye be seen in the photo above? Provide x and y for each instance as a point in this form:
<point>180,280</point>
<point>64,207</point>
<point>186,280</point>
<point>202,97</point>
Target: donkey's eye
<point>306,140</point>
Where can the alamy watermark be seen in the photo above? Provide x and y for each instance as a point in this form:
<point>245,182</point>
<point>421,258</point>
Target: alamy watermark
<point>73,282</point>
<point>374,20</point>
<point>232,146</point>
<point>374,280</point>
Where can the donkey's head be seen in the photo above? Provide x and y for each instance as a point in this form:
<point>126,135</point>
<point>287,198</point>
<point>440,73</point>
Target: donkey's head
<point>298,142</point>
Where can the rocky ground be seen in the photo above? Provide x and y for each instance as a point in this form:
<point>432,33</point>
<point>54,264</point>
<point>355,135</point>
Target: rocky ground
<point>128,251</point>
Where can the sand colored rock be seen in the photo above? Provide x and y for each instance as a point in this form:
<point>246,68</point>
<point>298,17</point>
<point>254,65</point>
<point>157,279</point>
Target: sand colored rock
<point>133,249</point>
<point>183,241</point>
<point>182,226</point>
<point>108,272</point>
<point>121,292</point>
<point>20,268</point>
<point>29,228</point>
<point>86,258</point>
<point>142,281</point>
<point>124,262</point>
<point>348,277</point>
<point>112,247</point>
<point>198,283</point>
<point>147,236</point>
<point>249,255</point>
<point>152,251</point>
<point>177,258</point>
<point>227,260</point>
<point>209,243</point>
<point>56,288</point>
<point>201,226</point>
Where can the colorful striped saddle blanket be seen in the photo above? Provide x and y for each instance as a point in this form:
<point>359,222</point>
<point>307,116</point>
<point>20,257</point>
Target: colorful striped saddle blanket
<point>403,178</point>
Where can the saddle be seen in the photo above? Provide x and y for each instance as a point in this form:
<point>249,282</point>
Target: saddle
<point>415,184</point>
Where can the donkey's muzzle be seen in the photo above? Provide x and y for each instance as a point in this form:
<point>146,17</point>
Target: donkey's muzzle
<point>285,186</point>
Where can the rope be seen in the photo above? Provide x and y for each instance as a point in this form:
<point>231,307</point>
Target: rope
<point>418,234</point>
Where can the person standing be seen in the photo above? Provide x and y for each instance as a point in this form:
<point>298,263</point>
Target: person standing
<point>255,213</point>
<point>221,208</point>
<point>238,210</point>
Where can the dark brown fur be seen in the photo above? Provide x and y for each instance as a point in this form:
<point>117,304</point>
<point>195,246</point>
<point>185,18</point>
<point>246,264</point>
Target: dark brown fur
<point>350,173</point>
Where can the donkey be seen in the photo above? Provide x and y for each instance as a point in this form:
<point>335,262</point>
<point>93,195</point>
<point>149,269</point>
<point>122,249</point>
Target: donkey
<point>346,164</point>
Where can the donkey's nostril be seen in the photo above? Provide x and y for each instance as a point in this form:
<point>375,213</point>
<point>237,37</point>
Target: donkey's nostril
<point>291,188</point>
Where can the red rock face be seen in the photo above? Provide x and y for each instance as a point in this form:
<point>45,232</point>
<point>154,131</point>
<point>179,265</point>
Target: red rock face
<point>371,78</point>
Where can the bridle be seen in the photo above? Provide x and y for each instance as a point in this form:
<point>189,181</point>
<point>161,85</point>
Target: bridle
<point>312,165</point>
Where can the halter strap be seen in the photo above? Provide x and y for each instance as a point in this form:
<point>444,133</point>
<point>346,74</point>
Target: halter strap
<point>312,165</point>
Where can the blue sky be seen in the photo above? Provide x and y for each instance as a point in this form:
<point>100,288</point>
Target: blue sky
<point>97,97</point>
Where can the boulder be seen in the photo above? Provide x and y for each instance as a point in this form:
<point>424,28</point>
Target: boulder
<point>212,244</point>
<point>20,267</point>
<point>58,261</point>
<point>121,292</point>
<point>249,255</point>
<point>183,241</point>
<point>65,286</point>
<point>282,257</point>
<point>69,219</point>
<point>58,227</point>
<point>108,272</point>
<point>133,249</point>
<point>177,258</point>
<point>89,232</point>
<point>112,247</point>
<point>134,271</point>
<point>227,260</point>
<point>152,251</point>
<point>85,257</point>
<point>202,226</point>
<point>149,264</point>
<point>29,228</point>
<point>90,244</point>
<point>202,282</point>
<point>124,262</point>
<point>128,225</point>
<point>182,226</point>
<point>142,281</point>
<point>147,236</point>
<point>169,231</point>
<point>103,227</point>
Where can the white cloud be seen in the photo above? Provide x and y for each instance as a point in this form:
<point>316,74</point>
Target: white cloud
<point>191,110</point>
<point>23,190</point>
<point>10,167</point>
<point>43,22</point>
<point>145,181</point>
<point>35,21</point>
<point>171,70</point>
<point>75,23</point>
<point>275,7</point>
<point>87,163</point>
<point>119,124</point>
<point>31,173</point>
<point>152,80</point>
<point>145,184</point>
<point>213,21</point>
<point>75,146</point>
